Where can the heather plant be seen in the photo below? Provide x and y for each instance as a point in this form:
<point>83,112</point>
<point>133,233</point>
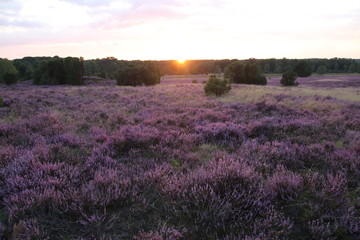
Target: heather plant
<point>168,162</point>
<point>216,86</point>
<point>164,233</point>
<point>206,199</point>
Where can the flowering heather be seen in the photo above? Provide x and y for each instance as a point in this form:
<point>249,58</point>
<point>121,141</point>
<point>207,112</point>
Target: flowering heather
<point>168,163</point>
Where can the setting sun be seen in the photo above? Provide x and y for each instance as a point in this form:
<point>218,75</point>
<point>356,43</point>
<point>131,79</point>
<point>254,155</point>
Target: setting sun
<point>181,61</point>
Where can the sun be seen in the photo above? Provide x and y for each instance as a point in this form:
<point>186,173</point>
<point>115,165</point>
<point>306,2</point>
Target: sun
<point>181,61</point>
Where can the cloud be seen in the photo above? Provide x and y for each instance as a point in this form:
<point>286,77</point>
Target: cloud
<point>6,22</point>
<point>90,3</point>
<point>141,13</point>
<point>10,19</point>
<point>9,7</point>
<point>158,28</point>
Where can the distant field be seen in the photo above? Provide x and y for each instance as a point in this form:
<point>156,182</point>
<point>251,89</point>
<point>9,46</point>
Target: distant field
<point>173,79</point>
<point>342,80</point>
<point>340,86</point>
<point>168,162</point>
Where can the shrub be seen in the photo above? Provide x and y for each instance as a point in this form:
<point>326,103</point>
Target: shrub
<point>216,86</point>
<point>194,81</point>
<point>1,102</point>
<point>288,79</point>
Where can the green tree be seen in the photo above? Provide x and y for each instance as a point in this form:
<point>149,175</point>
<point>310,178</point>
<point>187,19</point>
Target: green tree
<point>248,73</point>
<point>288,79</point>
<point>253,75</point>
<point>267,68</point>
<point>10,78</point>
<point>235,72</point>
<point>353,67</point>
<point>216,86</point>
<point>302,69</point>
<point>59,71</point>
<point>6,67</point>
<point>146,73</point>
<point>129,76</point>
<point>74,70</point>
<point>321,70</point>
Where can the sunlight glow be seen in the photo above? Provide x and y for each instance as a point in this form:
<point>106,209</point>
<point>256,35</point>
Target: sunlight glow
<point>181,61</point>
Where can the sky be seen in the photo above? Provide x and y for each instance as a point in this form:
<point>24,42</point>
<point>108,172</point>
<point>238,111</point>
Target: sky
<point>180,29</point>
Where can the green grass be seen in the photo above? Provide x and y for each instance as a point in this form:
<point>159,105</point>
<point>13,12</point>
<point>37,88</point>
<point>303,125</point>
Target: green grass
<point>329,80</point>
<point>185,76</point>
<point>251,94</point>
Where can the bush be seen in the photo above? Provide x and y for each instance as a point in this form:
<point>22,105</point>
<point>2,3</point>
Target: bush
<point>288,79</point>
<point>194,81</point>
<point>10,78</point>
<point>216,86</point>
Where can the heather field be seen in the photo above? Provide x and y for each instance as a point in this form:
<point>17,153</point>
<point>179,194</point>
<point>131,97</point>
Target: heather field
<point>167,162</point>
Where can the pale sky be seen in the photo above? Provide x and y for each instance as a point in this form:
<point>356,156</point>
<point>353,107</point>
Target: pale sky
<point>180,29</point>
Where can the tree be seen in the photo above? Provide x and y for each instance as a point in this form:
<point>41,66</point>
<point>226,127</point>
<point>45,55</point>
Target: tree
<point>146,73</point>
<point>321,70</point>
<point>235,72</point>
<point>150,73</point>
<point>216,86</point>
<point>267,68</point>
<point>50,72</point>
<point>74,71</point>
<point>353,67</point>
<point>59,71</point>
<point>10,78</point>
<point>302,69</point>
<point>248,73</point>
<point>288,79</point>
<point>253,75</point>
<point>6,67</point>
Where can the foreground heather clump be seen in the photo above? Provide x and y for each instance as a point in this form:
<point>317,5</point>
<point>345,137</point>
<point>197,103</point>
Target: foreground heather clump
<point>168,162</point>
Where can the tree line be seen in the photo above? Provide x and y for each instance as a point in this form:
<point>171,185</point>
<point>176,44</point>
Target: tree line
<point>109,67</point>
<point>56,70</point>
<point>43,70</point>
